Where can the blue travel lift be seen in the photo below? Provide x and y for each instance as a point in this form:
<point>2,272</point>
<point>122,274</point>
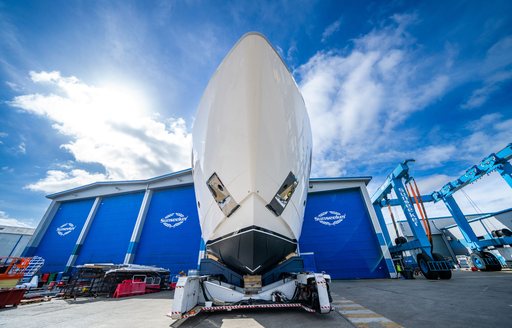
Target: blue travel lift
<point>499,162</point>
<point>432,265</point>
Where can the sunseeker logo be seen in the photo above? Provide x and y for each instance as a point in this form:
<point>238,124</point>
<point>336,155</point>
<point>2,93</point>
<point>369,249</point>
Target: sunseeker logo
<point>330,218</point>
<point>65,229</point>
<point>173,220</point>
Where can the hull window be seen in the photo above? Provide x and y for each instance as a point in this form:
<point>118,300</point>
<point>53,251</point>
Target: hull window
<point>283,195</point>
<point>223,198</point>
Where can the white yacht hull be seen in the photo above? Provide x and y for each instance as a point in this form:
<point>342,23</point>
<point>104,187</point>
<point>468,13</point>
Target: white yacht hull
<point>251,159</point>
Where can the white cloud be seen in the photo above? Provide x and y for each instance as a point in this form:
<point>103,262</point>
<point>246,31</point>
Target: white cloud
<point>66,165</point>
<point>5,219</point>
<point>491,85</point>
<point>112,125</point>
<point>331,29</point>
<point>357,99</point>
<point>53,76</point>
<point>488,134</point>
<point>432,183</point>
<point>292,52</point>
<point>487,195</point>
<point>496,71</point>
<point>280,51</point>
<point>490,194</point>
<point>7,169</point>
<point>22,148</point>
<point>434,156</point>
<point>57,180</point>
<point>13,86</point>
<point>498,56</point>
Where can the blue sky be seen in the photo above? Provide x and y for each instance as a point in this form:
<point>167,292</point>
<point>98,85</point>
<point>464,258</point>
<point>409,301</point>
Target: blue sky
<point>107,90</point>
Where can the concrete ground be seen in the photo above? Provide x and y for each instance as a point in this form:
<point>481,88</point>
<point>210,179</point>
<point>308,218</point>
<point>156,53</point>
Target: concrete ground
<point>470,299</point>
<point>141,311</point>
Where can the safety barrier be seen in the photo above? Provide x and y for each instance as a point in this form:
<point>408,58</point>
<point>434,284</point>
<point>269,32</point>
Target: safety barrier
<point>130,288</point>
<point>152,288</point>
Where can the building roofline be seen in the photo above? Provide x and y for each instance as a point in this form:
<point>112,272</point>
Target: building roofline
<point>122,182</point>
<point>16,229</point>
<point>365,179</point>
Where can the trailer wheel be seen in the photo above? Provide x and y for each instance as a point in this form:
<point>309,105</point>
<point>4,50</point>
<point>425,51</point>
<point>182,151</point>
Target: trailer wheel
<point>400,240</point>
<point>423,265</point>
<point>506,232</point>
<point>494,259</point>
<point>445,275</point>
<point>315,301</point>
<point>478,261</point>
<point>497,233</point>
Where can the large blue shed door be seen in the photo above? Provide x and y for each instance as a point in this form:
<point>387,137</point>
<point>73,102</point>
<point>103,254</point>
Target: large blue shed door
<point>111,230</point>
<point>62,233</point>
<point>171,235</point>
<point>338,229</point>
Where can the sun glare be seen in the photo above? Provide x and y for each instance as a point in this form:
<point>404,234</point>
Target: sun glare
<point>120,101</point>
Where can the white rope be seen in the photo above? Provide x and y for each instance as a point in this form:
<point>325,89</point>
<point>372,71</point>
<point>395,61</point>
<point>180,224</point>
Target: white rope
<point>471,202</point>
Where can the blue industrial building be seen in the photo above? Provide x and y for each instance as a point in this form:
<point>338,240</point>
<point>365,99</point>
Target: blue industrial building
<point>155,222</point>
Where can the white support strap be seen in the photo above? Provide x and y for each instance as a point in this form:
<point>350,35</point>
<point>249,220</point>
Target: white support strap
<point>186,296</point>
<point>323,293</point>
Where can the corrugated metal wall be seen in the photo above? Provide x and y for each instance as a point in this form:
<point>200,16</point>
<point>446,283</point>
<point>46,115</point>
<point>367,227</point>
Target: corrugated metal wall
<point>109,235</point>
<point>62,233</point>
<point>338,229</point>
<point>171,234</point>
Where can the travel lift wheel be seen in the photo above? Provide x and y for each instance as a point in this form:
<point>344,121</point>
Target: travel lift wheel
<point>423,260</point>
<point>478,259</point>
<point>492,258</point>
<point>400,240</point>
<point>445,275</point>
<point>497,233</point>
<point>506,232</point>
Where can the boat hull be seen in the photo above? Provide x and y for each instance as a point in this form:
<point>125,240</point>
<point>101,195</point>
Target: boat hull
<point>251,159</point>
